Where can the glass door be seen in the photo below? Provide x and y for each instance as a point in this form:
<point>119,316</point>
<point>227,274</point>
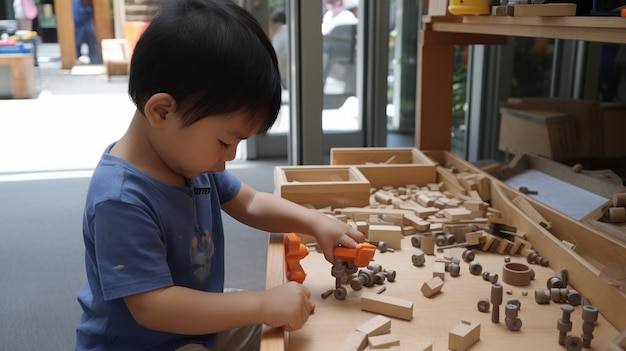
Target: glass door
<point>330,63</point>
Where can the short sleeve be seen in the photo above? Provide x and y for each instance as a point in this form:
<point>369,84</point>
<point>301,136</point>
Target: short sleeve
<point>130,250</point>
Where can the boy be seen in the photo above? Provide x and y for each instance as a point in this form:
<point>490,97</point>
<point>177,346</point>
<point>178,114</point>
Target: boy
<point>204,77</point>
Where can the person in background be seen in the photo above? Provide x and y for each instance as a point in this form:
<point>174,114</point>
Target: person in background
<point>279,36</point>
<point>84,30</point>
<point>152,224</point>
<point>336,14</point>
<point>25,12</point>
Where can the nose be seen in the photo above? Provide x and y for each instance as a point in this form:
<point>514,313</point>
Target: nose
<point>230,153</point>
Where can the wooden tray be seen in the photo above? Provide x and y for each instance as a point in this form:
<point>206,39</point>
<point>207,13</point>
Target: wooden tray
<point>387,166</point>
<point>322,186</point>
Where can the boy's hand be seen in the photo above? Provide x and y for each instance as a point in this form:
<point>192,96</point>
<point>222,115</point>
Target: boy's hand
<point>286,306</point>
<point>332,232</point>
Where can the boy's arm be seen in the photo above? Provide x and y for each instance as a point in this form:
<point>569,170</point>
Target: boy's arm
<point>272,213</point>
<point>187,311</point>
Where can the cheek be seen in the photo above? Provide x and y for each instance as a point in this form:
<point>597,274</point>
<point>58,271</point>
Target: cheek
<point>195,151</point>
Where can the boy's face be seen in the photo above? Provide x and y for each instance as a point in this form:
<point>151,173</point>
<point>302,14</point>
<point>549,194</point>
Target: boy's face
<point>206,145</point>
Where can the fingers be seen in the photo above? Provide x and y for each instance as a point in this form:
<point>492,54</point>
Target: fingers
<point>288,306</point>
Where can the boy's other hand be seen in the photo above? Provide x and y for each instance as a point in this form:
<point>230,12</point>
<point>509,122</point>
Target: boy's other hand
<point>286,306</point>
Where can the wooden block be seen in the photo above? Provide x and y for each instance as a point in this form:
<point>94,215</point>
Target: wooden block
<point>505,247</point>
<point>409,230</point>
<point>387,305</point>
<point>489,239</point>
<point>390,234</point>
<point>432,286</point>
<point>383,341</point>
<point>473,238</point>
<point>417,346</point>
<point>457,214</point>
<point>495,245</point>
<point>375,326</point>
<point>475,205</point>
<point>356,341</point>
<point>417,222</point>
<point>438,8</point>
<point>464,335</point>
<point>428,243</point>
<point>475,195</point>
<point>484,187</point>
<point>362,226</point>
<point>439,270</point>
<point>424,212</point>
<point>544,10</point>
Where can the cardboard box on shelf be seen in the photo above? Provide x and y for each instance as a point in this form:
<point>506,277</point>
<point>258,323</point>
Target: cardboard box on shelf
<point>550,134</point>
<point>599,126</point>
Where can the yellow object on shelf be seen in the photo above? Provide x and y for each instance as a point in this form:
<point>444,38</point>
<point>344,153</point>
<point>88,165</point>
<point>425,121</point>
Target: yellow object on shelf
<point>469,7</point>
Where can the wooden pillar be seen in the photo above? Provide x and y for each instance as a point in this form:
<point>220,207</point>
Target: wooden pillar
<point>65,27</point>
<point>65,32</point>
<point>434,102</point>
<point>102,19</point>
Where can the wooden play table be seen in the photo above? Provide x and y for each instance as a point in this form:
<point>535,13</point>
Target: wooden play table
<point>433,317</point>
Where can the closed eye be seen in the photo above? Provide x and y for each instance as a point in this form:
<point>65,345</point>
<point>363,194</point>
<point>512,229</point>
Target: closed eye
<point>224,145</point>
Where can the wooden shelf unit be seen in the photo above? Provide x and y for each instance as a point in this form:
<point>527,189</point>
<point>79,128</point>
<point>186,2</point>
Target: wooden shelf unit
<point>439,35</point>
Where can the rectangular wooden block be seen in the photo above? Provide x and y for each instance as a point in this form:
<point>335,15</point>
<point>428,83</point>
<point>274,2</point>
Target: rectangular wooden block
<point>356,341</point>
<point>457,214</point>
<point>464,335</point>
<point>473,238</point>
<point>375,326</point>
<point>417,346</point>
<point>544,10</point>
<point>387,305</point>
<point>383,341</point>
<point>390,234</point>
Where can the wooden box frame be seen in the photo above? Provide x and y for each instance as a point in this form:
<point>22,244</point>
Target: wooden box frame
<point>322,186</point>
<point>387,166</point>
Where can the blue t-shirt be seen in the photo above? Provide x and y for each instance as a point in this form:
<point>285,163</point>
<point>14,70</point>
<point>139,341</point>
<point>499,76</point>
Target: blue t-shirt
<point>140,235</point>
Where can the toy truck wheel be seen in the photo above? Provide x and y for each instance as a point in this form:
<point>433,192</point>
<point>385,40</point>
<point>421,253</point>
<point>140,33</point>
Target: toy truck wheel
<point>340,293</point>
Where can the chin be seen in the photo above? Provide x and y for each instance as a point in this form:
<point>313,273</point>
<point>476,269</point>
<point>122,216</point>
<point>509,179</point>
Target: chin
<point>216,169</point>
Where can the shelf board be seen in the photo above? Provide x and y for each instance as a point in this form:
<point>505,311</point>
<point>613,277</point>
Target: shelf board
<point>587,28</point>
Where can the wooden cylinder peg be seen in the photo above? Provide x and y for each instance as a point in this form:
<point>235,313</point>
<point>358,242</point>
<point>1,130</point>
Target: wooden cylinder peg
<point>617,214</point>
<point>619,200</point>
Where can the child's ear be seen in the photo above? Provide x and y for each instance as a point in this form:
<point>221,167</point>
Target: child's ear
<point>159,108</point>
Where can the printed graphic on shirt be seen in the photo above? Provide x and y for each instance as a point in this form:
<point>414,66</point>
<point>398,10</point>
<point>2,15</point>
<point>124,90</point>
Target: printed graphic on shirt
<point>201,251</point>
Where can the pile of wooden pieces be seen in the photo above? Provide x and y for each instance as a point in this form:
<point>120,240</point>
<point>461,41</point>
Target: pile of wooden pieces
<point>452,220</point>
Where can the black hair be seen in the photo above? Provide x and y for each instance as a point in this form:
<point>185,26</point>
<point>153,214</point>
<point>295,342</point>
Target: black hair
<point>212,57</point>
<point>279,15</point>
